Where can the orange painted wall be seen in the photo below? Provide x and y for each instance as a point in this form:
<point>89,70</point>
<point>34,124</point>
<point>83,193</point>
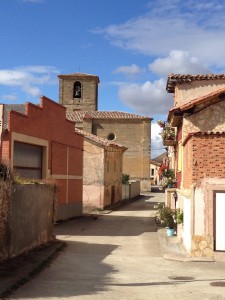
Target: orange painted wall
<point>65,156</point>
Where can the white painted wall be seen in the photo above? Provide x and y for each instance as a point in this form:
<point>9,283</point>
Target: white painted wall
<point>187,223</point>
<point>199,213</point>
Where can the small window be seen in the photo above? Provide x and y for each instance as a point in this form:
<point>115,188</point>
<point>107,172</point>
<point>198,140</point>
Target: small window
<point>77,90</point>
<point>111,136</point>
<point>152,172</point>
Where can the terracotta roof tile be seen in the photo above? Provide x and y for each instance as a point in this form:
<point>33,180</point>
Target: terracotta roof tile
<point>99,140</point>
<point>173,79</point>
<point>75,116</point>
<point>7,108</point>
<point>159,159</point>
<point>79,116</point>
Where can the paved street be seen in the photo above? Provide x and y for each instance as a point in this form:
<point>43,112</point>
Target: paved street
<point>118,256</point>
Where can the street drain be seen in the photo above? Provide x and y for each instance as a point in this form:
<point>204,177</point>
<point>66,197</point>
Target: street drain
<point>181,278</point>
<point>218,283</point>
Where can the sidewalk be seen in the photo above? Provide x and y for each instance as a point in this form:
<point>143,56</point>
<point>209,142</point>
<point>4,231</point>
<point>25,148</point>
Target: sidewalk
<point>173,250</point>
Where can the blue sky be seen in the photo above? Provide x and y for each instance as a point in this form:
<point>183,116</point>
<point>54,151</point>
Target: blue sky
<point>131,45</point>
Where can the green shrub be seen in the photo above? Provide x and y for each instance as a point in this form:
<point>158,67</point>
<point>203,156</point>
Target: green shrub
<point>166,215</point>
<point>125,178</point>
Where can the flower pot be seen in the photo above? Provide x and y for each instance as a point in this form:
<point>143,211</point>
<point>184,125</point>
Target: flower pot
<point>170,231</point>
<point>169,142</point>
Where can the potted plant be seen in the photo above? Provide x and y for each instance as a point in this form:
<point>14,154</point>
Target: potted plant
<point>168,135</point>
<point>168,178</point>
<point>167,217</point>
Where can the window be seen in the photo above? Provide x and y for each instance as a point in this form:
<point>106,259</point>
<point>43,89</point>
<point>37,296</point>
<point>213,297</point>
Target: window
<point>28,160</point>
<point>77,90</point>
<point>111,136</point>
<point>152,172</point>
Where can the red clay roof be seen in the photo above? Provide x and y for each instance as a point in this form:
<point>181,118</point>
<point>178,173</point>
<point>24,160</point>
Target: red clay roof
<point>7,108</point>
<point>173,79</point>
<point>99,140</point>
<point>79,116</point>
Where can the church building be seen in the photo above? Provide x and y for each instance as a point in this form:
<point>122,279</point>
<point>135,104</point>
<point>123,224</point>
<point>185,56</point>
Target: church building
<point>79,94</point>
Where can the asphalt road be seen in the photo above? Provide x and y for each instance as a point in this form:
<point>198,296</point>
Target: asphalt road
<point>118,256</point>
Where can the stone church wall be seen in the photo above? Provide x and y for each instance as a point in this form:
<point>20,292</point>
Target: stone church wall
<point>133,134</point>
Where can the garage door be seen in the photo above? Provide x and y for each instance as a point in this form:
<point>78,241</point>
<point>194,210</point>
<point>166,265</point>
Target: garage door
<point>27,161</point>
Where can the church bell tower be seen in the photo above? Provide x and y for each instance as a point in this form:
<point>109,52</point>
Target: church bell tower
<point>78,91</point>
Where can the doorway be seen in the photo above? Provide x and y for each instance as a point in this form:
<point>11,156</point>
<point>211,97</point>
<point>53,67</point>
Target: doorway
<point>219,221</point>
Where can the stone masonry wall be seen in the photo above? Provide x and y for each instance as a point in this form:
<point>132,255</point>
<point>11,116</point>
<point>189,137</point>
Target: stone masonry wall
<point>135,135</point>
<point>202,246</point>
<point>88,100</point>
<point>210,119</point>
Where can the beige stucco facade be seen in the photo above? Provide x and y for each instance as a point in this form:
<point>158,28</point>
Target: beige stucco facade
<point>133,134</point>
<point>102,181</point>
<point>210,119</point>
<point>186,92</point>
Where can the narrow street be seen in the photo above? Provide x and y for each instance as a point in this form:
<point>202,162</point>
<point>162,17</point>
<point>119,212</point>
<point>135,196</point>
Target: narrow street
<point>118,256</point>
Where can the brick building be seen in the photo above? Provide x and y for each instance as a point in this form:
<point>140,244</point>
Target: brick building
<point>39,142</point>
<point>79,93</point>
<point>198,158</point>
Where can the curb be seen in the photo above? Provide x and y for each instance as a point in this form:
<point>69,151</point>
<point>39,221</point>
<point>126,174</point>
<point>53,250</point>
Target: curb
<point>173,250</point>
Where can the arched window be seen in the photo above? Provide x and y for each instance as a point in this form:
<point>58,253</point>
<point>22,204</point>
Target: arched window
<point>77,90</point>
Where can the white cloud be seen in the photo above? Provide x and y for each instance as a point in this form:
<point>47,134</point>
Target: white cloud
<point>194,26</point>
<point>9,97</point>
<point>33,91</point>
<point>178,62</point>
<point>149,98</point>
<point>29,78</point>
<point>157,147</point>
<point>129,70</point>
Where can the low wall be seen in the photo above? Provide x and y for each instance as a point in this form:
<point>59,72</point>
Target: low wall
<point>30,217</point>
<point>131,190</point>
<point>125,191</point>
<point>170,201</point>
